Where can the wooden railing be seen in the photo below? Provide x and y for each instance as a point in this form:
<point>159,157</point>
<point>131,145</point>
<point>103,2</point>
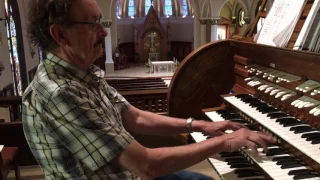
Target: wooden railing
<point>148,94</point>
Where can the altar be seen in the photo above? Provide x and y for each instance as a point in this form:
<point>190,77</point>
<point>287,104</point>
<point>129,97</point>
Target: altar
<point>159,66</point>
<point>153,56</point>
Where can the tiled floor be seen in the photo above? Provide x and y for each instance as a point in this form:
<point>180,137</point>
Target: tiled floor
<point>35,172</point>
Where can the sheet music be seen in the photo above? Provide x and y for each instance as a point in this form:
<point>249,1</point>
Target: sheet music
<point>1,147</point>
<point>280,22</point>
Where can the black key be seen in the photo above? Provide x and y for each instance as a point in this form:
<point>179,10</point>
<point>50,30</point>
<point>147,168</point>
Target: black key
<point>275,149</point>
<point>303,131</point>
<point>269,111</point>
<point>289,124</point>
<point>295,172</point>
<point>313,137</point>
<point>285,120</point>
<point>288,162</point>
<point>316,141</point>
<point>290,158</point>
<point>257,104</point>
<point>277,115</point>
<point>243,95</point>
<point>310,134</point>
<point>281,158</point>
<point>300,128</point>
<point>237,162</point>
<point>230,116</point>
<point>305,175</point>
<point>249,100</point>
<point>243,165</point>
<point>226,155</point>
<point>267,108</point>
<point>243,159</point>
<point>287,166</point>
<point>224,111</point>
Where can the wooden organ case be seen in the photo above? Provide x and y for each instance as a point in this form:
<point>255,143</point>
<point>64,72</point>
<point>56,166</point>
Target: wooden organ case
<point>268,89</point>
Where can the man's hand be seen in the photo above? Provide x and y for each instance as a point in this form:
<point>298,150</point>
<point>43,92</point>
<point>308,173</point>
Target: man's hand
<point>246,138</point>
<point>218,128</point>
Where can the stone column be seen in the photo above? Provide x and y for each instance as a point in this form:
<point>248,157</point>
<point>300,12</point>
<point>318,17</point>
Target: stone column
<point>214,29</point>
<point>109,64</point>
<point>203,31</point>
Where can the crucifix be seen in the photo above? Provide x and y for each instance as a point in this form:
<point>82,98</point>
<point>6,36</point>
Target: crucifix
<point>152,36</point>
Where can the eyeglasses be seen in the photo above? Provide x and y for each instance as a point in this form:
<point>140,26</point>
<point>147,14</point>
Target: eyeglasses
<point>94,24</point>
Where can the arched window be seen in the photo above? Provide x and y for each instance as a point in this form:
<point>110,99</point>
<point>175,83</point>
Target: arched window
<point>117,9</point>
<point>148,5</point>
<point>131,8</point>
<point>168,7</point>
<point>15,44</point>
<point>184,8</point>
<point>241,20</point>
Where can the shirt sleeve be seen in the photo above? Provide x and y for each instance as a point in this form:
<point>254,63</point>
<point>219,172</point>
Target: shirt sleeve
<point>91,133</point>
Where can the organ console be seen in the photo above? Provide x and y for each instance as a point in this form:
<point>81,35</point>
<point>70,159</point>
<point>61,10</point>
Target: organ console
<point>267,89</point>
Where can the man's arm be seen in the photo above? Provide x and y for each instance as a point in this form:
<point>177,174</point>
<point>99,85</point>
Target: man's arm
<point>150,163</point>
<point>148,123</point>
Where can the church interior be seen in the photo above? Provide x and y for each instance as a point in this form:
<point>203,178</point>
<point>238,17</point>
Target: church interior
<point>175,58</point>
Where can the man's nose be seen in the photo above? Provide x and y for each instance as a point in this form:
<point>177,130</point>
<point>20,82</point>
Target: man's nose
<point>102,31</point>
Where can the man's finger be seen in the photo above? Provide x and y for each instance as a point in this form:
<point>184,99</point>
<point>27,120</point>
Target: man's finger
<point>260,141</point>
<point>268,138</point>
<point>235,126</point>
<point>253,148</point>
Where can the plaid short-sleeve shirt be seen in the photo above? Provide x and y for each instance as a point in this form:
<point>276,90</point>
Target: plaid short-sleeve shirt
<point>72,122</point>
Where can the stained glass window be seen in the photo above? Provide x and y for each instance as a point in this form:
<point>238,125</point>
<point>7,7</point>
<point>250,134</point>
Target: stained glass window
<point>117,9</point>
<point>184,8</point>
<point>131,8</point>
<point>148,5</point>
<point>13,49</point>
<point>168,7</point>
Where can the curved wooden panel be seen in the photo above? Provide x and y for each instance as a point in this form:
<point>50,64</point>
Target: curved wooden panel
<point>201,78</point>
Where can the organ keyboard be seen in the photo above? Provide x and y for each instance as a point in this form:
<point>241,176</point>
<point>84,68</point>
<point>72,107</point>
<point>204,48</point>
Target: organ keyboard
<point>267,89</point>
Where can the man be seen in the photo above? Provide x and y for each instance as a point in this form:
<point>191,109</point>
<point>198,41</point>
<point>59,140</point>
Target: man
<point>77,126</point>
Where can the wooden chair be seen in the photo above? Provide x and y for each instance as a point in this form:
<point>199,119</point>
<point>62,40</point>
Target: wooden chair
<point>8,162</point>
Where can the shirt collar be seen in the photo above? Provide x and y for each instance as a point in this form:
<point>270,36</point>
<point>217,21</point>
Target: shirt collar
<point>92,72</point>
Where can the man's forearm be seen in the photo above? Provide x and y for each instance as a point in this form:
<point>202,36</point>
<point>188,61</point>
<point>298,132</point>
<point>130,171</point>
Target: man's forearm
<point>168,160</point>
<point>154,124</point>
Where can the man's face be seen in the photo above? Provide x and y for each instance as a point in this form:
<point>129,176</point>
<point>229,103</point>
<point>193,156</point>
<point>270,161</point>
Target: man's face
<point>84,41</point>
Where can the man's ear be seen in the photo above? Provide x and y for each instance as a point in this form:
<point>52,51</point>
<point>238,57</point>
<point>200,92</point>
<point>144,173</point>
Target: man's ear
<point>58,35</point>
